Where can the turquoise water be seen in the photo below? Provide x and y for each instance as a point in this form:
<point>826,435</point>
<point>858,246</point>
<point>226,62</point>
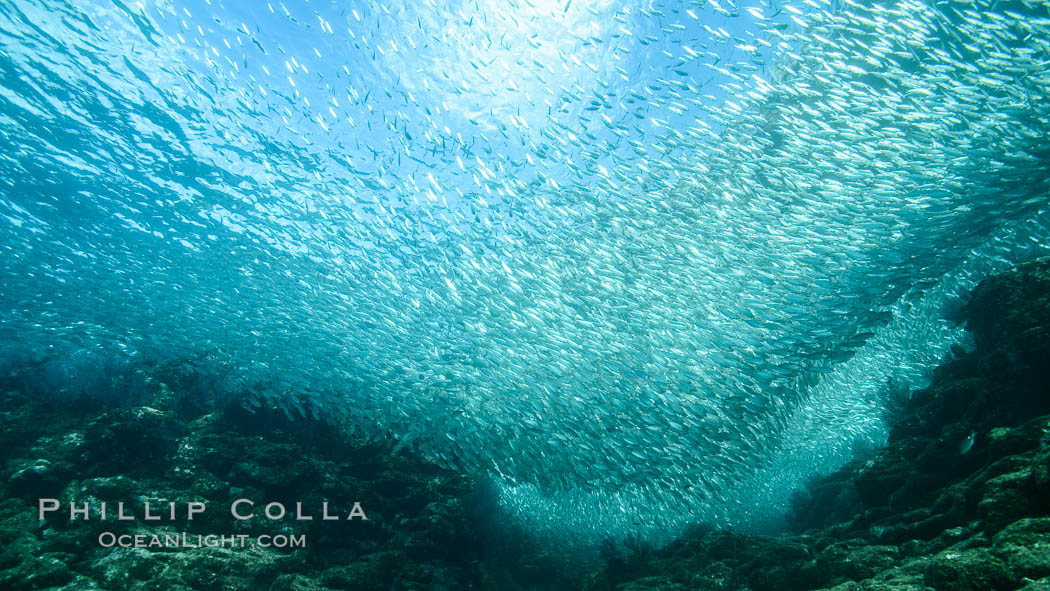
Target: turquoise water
<point>644,264</point>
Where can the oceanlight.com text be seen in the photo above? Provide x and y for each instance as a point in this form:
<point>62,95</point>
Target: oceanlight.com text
<point>184,540</point>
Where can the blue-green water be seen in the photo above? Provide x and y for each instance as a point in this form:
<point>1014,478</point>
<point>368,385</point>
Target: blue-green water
<point>643,263</point>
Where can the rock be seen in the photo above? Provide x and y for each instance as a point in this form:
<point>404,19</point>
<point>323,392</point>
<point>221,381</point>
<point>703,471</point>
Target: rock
<point>920,524</point>
<point>1007,498</point>
<point>95,491</point>
<point>35,479</point>
<point>36,572</point>
<point>276,466</point>
<point>1006,441</point>
<point>122,440</point>
<point>652,584</point>
<point>296,583</point>
<point>971,570</point>
<point>880,477</point>
<point>951,537</point>
<point>119,568</point>
<point>907,576</point>
<point>223,568</point>
<point>374,573</point>
<point>716,576</point>
<point>1041,472</point>
<point>913,548</point>
<point>1007,304</point>
<point>82,583</point>
<point>16,550</point>
<point>1025,547</point>
<point>143,455</point>
<point>894,586</point>
<point>855,560</point>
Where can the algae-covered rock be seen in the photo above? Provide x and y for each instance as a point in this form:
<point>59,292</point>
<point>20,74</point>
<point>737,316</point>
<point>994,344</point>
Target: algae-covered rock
<point>1040,585</point>
<point>225,568</point>
<point>417,536</point>
<point>1008,497</point>
<point>120,568</point>
<point>377,571</point>
<point>124,437</point>
<point>35,477</point>
<point>1025,547</point>
<point>904,576</point>
<point>894,586</point>
<point>652,584</point>
<point>881,476</point>
<point>970,570</point>
<point>296,583</point>
<point>37,572</point>
<point>716,576</point>
<point>1010,303</point>
<point>1006,441</point>
<point>855,560</point>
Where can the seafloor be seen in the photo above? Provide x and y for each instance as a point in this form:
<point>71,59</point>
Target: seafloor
<point>959,500</point>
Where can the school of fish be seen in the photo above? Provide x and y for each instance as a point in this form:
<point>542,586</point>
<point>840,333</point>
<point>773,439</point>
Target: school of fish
<point>643,263</point>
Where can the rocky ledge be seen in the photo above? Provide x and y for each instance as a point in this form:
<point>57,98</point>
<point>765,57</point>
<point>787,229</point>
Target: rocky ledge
<point>416,535</point>
<point>958,501</point>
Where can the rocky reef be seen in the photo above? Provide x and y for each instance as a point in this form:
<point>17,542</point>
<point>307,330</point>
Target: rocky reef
<point>318,505</point>
<point>417,534</point>
<point>959,500</point>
